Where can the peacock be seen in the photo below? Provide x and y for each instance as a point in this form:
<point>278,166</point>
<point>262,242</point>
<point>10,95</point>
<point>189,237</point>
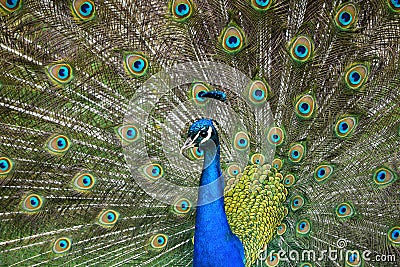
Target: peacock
<point>215,133</point>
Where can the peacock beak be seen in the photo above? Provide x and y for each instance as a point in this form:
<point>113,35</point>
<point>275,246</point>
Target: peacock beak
<point>188,143</point>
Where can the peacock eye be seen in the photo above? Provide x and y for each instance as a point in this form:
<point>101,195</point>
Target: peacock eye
<point>232,39</point>
<point>58,144</point>
<point>32,203</point>
<point>60,73</point>
<point>62,245</point>
<point>136,64</point>
<point>203,134</point>
<point>181,9</point>
<point>10,5</point>
<point>108,218</point>
<point>84,10</point>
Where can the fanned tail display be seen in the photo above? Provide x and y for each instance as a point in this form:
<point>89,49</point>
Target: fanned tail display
<point>199,133</point>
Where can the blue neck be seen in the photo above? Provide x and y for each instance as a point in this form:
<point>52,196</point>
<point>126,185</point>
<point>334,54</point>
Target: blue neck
<point>215,244</point>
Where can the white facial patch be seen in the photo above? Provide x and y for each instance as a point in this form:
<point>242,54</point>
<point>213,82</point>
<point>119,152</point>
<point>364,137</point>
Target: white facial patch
<point>209,132</point>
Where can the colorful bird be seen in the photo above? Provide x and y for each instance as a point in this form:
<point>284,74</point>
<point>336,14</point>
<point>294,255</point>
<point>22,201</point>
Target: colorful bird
<point>199,133</point>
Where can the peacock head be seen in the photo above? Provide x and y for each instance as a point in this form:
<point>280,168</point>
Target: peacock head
<point>202,134</point>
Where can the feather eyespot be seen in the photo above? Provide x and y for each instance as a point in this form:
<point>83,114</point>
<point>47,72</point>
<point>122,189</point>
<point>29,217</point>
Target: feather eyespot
<point>285,211</point>
<point>303,227</point>
<point>356,76</point>
<point>301,49</point>
<point>305,107</point>
<point>196,153</point>
<point>61,73</point>
<point>83,9</point>
<point>136,65</point>
<point>58,145</point>
<point>353,258</point>
<point>394,5</point>
<point>277,163</point>
<point>345,127</point>
<point>261,5</point>
<point>84,182</point>
<point>323,172</point>
<point>289,180</point>
<point>159,241</point>
<point>241,141</point>
<point>346,16</point>
<point>344,210</point>
<point>232,39</point>
<point>296,153</point>
<point>281,229</point>
<point>196,89</point>
<point>10,5</point>
<point>62,245</point>
<point>233,170</point>
<point>6,165</point>
<point>276,136</point>
<point>153,171</point>
<point>182,206</point>
<point>32,203</point>
<point>297,202</point>
<point>258,92</point>
<point>384,176</point>
<point>394,235</point>
<point>108,218</point>
<point>181,9</point>
<point>127,133</point>
<point>306,264</point>
<point>272,260</point>
<point>258,159</point>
